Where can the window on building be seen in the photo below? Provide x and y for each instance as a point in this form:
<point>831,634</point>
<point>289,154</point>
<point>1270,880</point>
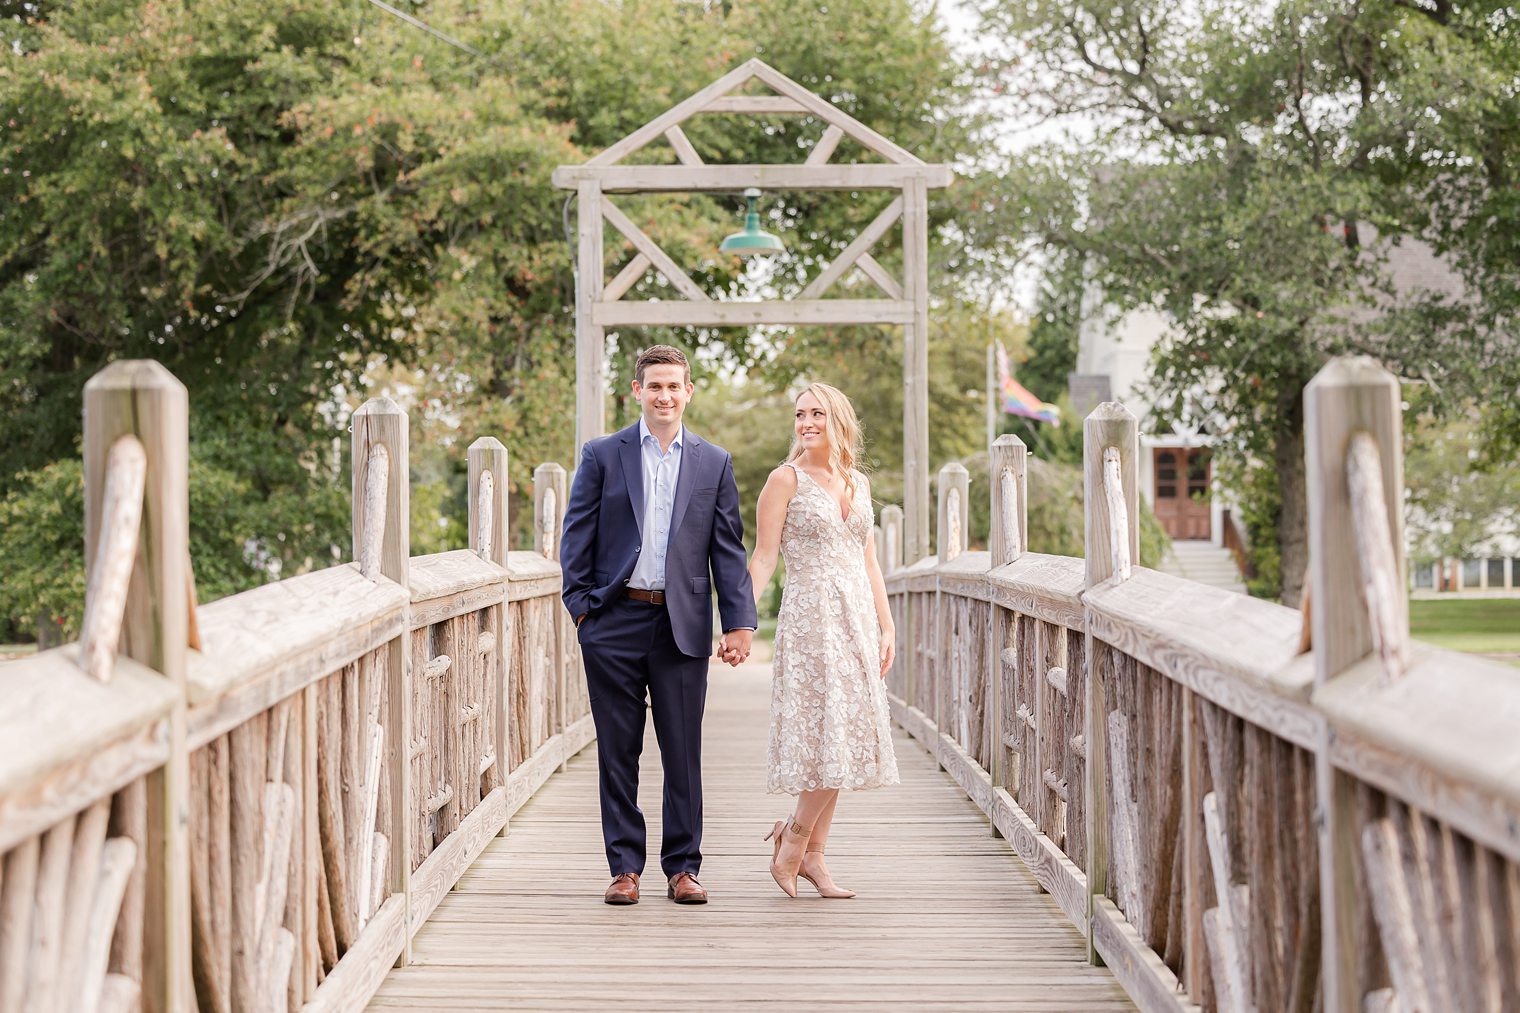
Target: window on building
<point>1496,572</point>
<point>1166,475</point>
<point>1198,475</point>
<point>1472,573</point>
<point>1424,575</point>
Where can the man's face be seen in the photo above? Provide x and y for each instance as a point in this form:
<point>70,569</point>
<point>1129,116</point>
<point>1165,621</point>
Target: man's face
<point>663,394</point>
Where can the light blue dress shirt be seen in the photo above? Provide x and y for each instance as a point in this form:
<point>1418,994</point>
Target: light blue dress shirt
<point>660,473</point>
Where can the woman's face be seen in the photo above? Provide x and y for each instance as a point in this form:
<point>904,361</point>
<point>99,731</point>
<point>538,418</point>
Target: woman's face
<point>810,421</point>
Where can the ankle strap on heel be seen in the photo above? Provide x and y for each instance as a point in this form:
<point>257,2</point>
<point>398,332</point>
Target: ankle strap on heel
<point>797,829</point>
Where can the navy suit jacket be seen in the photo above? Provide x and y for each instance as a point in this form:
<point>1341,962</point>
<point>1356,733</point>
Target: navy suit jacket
<point>604,530</point>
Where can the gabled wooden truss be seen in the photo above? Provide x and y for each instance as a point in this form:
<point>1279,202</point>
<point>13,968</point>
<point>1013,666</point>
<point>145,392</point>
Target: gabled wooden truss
<point>600,304</point>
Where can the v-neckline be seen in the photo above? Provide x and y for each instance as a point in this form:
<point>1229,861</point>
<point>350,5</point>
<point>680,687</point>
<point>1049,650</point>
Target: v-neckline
<point>845,519</point>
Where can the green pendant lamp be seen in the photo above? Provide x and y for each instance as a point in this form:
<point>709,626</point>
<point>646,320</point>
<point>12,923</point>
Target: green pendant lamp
<point>753,241</point>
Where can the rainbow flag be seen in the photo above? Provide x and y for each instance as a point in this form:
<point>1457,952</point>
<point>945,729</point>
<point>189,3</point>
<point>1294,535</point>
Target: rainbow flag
<point>1017,400</point>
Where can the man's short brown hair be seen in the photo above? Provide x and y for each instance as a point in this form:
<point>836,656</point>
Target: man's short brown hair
<point>660,355</point>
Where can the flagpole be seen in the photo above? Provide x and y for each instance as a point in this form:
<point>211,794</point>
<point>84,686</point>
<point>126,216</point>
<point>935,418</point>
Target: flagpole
<point>991,399</point>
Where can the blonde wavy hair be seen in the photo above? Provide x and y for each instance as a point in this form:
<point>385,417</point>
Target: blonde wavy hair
<point>842,428</point>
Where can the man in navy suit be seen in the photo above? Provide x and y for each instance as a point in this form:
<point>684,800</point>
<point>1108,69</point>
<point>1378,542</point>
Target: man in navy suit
<point>652,529</point>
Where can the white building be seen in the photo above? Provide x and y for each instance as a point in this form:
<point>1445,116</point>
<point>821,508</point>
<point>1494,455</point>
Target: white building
<point>1176,471</point>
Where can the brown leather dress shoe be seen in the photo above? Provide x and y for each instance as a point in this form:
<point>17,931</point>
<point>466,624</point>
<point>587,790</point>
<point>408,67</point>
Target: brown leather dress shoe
<point>623,889</point>
<point>684,889</point>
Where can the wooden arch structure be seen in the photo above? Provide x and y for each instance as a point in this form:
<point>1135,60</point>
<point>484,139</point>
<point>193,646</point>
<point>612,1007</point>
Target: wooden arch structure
<point>599,303</point>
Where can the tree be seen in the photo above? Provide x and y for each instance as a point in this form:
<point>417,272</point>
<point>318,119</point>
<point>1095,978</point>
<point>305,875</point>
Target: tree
<point>288,207</point>
<point>1457,507</point>
<point>1252,170</point>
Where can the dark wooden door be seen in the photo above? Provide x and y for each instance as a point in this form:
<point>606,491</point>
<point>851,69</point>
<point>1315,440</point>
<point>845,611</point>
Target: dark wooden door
<point>1181,492</point>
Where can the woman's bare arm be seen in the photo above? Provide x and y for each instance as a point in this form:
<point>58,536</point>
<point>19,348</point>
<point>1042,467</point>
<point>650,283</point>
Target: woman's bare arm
<point>770,515</point>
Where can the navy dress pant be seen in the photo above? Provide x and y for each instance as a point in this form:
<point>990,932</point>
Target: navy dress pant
<point>628,649</point>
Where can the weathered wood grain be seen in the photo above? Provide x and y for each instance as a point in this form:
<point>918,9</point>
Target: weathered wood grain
<point>1010,500</point>
<point>349,985</point>
<point>1149,981</point>
<point>446,574</point>
<point>590,338</point>
<point>285,635</point>
<point>1442,737</point>
<point>442,869</point>
<point>74,739</point>
<point>143,398</point>
<point>1235,651</point>
<point>111,571</point>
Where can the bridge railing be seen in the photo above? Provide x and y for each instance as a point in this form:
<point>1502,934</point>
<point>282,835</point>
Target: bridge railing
<point>257,802</point>
<point>1235,819</point>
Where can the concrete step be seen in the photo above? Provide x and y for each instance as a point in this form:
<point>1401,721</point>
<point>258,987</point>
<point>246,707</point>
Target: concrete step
<point>1205,563</point>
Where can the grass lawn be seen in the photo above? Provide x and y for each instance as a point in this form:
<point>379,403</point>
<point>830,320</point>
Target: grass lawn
<point>1475,625</point>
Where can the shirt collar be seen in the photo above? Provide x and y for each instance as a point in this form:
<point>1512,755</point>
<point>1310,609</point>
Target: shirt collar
<point>645,434</point>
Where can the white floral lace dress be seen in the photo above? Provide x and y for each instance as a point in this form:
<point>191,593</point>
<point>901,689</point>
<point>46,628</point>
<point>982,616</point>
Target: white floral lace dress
<point>829,719</point>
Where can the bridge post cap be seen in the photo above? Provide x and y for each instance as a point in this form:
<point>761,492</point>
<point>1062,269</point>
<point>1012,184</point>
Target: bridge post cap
<point>381,405</point>
<point>549,468</point>
<point>1352,371</point>
<point>954,468</point>
<point>1111,411</point>
<point>135,374</point>
<point>1009,440</point>
<point>487,443</point>
<point>892,510</point>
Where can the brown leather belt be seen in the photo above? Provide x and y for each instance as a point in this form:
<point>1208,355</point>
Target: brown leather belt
<point>639,594</point>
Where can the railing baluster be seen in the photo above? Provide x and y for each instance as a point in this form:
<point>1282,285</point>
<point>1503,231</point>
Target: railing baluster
<point>142,398</point>
<point>1110,426</point>
<point>380,430</point>
<point>1348,397</point>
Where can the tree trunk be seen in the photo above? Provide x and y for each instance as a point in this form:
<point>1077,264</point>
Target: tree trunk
<point>1293,510</point>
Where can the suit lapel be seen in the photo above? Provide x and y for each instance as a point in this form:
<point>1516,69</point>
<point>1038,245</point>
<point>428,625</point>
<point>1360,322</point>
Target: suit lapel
<point>633,473</point>
<point>691,453</point>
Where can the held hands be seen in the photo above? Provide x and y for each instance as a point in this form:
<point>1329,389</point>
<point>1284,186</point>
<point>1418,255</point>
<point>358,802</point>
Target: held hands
<point>888,648</point>
<point>735,646</point>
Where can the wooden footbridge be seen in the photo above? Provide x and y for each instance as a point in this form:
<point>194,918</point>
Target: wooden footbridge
<point>372,783</point>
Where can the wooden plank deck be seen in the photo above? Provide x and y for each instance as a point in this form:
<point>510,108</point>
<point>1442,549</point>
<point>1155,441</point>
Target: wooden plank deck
<point>947,917</point>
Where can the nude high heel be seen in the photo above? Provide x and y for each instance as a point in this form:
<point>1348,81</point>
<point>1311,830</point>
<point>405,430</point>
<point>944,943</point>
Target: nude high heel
<point>832,891</point>
<point>786,875</point>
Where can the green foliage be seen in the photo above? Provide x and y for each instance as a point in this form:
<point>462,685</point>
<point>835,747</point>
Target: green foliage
<point>295,207</point>
<point>1251,169</point>
<point>42,537</point>
<point>1458,504</point>
<point>42,543</point>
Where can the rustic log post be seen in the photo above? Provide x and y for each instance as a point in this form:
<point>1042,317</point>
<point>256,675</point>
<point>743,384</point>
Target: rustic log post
<point>953,485</point>
<point>892,561</point>
<point>489,525</point>
<point>380,429</point>
<point>1007,541</point>
<point>548,508</point>
<point>954,511</point>
<point>915,246</point>
<point>1111,426</point>
<point>590,338</point>
<point>1010,500</point>
<point>143,399</point>
<point>549,490</point>
<point>1349,397</point>
<point>488,492</point>
<point>891,538</point>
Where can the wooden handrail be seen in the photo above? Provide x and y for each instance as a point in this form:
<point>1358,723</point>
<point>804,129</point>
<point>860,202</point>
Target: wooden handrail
<point>116,553</point>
